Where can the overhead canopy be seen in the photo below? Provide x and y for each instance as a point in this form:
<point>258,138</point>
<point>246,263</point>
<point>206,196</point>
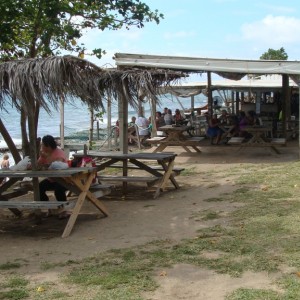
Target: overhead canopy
<point>189,88</point>
<point>227,68</point>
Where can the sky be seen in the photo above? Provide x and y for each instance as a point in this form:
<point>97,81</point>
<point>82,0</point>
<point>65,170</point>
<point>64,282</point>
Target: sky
<point>233,29</point>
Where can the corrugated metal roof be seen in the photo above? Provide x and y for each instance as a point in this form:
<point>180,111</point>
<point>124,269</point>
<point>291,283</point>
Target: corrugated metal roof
<point>194,64</point>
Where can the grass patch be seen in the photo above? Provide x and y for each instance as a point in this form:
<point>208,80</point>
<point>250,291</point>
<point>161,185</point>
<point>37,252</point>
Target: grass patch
<point>10,266</point>
<point>14,294</point>
<point>261,235</point>
<point>15,287</point>
<point>47,265</point>
<point>253,294</point>
<point>188,172</point>
<point>214,199</point>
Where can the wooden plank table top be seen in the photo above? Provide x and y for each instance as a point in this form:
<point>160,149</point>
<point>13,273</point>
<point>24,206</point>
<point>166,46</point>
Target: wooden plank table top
<point>46,173</point>
<point>166,160</point>
<point>259,137</point>
<point>176,137</point>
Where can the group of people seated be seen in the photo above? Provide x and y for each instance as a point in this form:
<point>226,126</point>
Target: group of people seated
<point>237,123</point>
<point>144,125</point>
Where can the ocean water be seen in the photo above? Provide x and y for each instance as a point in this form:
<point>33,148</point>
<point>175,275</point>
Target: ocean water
<point>76,117</point>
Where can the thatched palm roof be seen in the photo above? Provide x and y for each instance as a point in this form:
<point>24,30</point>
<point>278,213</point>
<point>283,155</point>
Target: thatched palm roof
<point>33,83</point>
<point>44,81</point>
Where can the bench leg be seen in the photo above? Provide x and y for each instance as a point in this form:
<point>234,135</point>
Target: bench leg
<point>84,188</point>
<point>165,178</point>
<point>196,149</point>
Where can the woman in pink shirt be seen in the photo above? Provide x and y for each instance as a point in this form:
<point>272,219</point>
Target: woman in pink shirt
<point>48,154</point>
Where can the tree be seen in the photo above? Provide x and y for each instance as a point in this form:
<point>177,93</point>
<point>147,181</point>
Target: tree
<point>41,28</point>
<point>272,54</point>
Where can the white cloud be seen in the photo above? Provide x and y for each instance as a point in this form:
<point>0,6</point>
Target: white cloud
<point>179,34</point>
<point>273,30</point>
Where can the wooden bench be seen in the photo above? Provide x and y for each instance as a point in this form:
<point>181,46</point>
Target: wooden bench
<point>190,141</point>
<point>37,204</point>
<point>98,190</point>
<point>155,140</point>
<point>149,180</point>
<point>278,141</point>
<point>13,194</point>
<point>176,170</point>
<point>235,140</point>
<point>163,142</point>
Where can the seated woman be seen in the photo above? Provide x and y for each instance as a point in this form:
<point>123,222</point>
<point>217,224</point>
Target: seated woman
<point>213,129</point>
<point>131,131</point>
<point>243,123</point>
<point>178,119</point>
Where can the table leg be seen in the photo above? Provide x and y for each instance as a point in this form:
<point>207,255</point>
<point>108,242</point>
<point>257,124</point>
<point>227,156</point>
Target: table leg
<point>186,148</point>
<point>84,188</point>
<point>160,148</point>
<point>165,178</point>
<point>171,177</point>
<point>196,149</point>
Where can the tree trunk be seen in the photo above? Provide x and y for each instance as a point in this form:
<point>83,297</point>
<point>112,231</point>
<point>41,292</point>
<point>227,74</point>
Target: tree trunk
<point>10,144</point>
<point>91,131</point>
<point>25,142</point>
<point>33,148</point>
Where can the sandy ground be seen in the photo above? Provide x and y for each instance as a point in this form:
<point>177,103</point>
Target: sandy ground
<point>138,219</point>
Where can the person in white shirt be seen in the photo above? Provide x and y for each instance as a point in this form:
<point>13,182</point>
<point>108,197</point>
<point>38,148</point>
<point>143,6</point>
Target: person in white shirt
<point>143,125</point>
<point>169,117</point>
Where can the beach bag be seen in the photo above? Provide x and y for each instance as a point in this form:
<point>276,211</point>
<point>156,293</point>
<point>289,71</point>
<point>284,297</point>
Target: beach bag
<point>88,162</point>
<point>58,165</point>
<point>21,165</point>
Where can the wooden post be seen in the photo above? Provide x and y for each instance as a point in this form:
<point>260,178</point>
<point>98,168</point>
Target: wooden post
<point>192,104</point>
<point>62,123</point>
<point>91,127</point>
<point>285,103</point>
<point>209,94</point>
<point>153,116</point>
<point>109,132</point>
<point>33,149</point>
<point>123,123</point>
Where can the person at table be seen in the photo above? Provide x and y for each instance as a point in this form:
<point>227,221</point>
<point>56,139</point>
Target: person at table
<point>131,130</point>
<point>165,111</point>
<point>50,153</point>
<point>243,123</point>
<point>143,126</point>
<point>252,118</point>
<point>178,119</point>
<point>224,117</point>
<point>159,120</point>
<point>5,161</point>
<point>4,165</point>
<point>213,130</point>
<point>168,117</point>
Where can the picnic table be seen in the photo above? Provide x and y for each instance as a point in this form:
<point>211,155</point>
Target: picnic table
<point>76,180</point>
<point>259,138</point>
<point>159,176</point>
<point>175,137</point>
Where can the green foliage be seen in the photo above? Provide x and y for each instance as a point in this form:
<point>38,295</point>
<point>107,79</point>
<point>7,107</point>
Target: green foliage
<point>39,28</point>
<point>14,294</point>
<point>272,54</point>
<point>10,265</point>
